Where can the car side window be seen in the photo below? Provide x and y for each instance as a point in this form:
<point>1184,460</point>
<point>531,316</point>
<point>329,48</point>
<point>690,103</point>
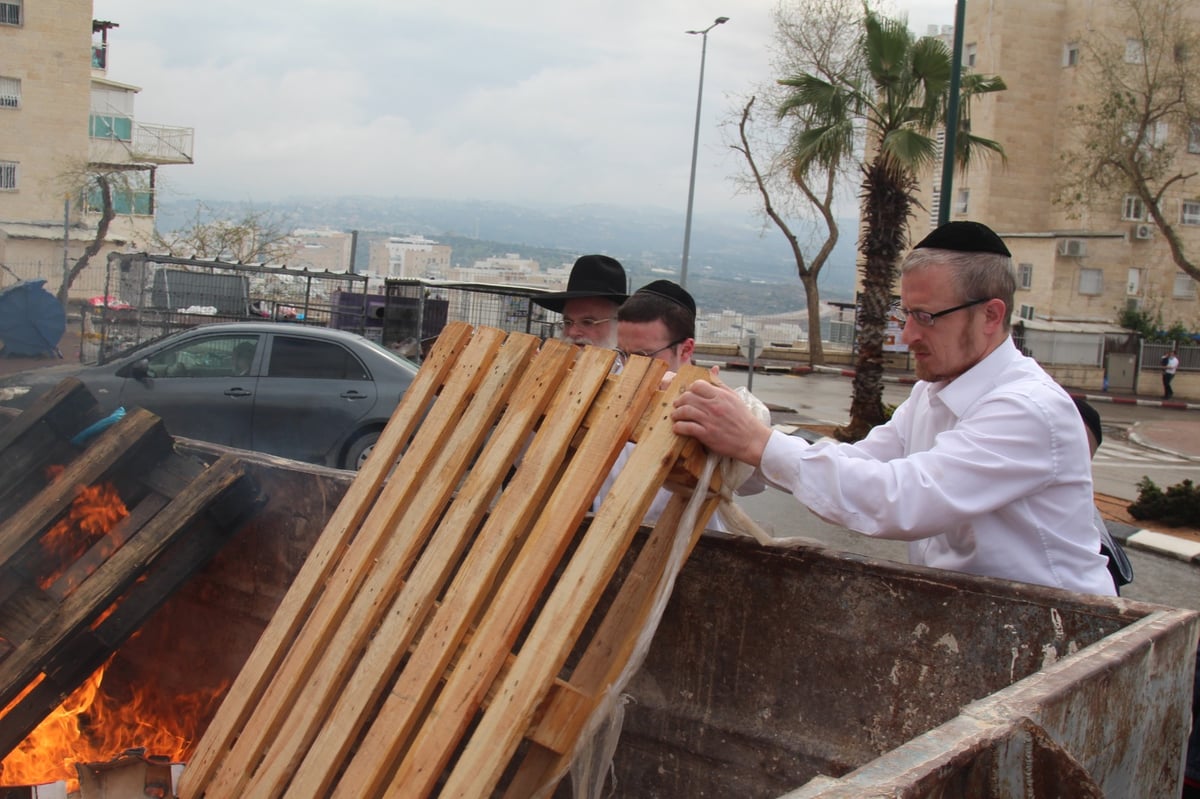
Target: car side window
<point>294,356</point>
<point>215,356</point>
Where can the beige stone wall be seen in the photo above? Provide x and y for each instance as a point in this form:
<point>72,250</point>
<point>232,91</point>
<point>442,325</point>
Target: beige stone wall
<point>51,55</point>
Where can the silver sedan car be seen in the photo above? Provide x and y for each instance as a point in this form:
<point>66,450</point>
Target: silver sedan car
<point>308,393</point>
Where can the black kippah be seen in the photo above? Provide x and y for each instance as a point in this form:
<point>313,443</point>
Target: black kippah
<point>670,291</point>
<point>964,237</point>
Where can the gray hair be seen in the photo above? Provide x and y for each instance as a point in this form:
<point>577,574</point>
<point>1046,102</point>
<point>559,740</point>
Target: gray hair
<point>975,275</point>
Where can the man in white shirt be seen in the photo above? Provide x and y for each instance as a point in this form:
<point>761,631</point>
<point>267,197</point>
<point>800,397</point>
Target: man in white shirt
<point>595,289</point>
<point>984,469</point>
<point>1170,364</point>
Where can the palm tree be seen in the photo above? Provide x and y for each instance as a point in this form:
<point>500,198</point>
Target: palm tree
<point>895,92</point>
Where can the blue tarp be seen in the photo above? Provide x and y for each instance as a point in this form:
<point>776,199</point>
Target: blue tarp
<point>32,320</point>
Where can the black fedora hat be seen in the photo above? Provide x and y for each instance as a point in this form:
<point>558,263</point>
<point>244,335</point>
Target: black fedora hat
<point>591,276</point>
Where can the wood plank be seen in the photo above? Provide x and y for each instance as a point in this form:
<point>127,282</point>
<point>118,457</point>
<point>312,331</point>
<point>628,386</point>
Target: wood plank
<point>180,539</point>
<point>134,442</point>
<point>497,735</point>
<point>395,590</point>
<point>564,713</point>
<point>337,594</point>
<point>65,409</point>
<point>25,467</point>
<point>276,641</point>
<point>410,614</point>
<point>522,586</point>
<point>406,704</point>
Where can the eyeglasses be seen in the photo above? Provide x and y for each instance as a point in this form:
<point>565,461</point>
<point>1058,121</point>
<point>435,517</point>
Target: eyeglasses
<point>587,323</point>
<point>625,354</point>
<point>925,318</point>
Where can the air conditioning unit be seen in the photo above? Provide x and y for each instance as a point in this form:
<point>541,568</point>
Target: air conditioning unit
<point>1143,231</point>
<point>1072,248</point>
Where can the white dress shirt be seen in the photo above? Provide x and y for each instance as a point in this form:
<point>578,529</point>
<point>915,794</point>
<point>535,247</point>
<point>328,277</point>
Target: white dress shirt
<point>988,474</point>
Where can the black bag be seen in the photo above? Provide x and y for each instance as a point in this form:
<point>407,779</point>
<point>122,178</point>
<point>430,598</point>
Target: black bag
<point>1118,562</point>
<point>1163,361</point>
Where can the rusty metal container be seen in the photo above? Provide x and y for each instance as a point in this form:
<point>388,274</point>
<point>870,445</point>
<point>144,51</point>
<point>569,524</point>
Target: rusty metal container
<point>814,673</point>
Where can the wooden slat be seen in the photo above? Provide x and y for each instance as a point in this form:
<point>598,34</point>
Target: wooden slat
<point>566,711</point>
<point>70,636</point>
<point>39,437</point>
<point>523,584</point>
<point>134,442</point>
<point>276,641</point>
<point>65,409</point>
<point>389,576</point>
<point>297,666</point>
<point>403,657</point>
<point>497,735</point>
<point>409,613</point>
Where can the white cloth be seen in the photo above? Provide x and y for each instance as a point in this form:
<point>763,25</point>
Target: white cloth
<point>988,474</point>
<point>1172,365</point>
<point>660,499</point>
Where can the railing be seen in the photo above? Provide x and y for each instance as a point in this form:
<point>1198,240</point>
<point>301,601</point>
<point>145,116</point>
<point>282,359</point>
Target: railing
<point>163,143</point>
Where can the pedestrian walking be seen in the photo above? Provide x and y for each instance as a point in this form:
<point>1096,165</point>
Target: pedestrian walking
<point>1170,365</point>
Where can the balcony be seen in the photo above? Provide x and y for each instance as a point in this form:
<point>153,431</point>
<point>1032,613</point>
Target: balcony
<point>119,140</point>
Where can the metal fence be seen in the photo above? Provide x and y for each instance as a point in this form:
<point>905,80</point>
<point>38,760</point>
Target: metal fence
<point>415,311</point>
<point>148,296</point>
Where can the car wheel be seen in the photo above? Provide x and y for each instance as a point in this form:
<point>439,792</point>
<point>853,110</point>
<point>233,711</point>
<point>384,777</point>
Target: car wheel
<point>360,448</point>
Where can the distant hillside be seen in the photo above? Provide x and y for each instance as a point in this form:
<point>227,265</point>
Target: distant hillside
<point>730,266</point>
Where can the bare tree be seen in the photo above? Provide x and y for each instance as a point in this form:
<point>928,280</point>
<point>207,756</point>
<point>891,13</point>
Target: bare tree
<point>96,187</point>
<point>1145,111</point>
<point>254,237</point>
<point>812,35</point>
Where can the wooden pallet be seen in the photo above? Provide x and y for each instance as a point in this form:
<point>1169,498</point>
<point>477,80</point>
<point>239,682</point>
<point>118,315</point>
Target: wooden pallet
<point>61,618</point>
<point>421,649</point>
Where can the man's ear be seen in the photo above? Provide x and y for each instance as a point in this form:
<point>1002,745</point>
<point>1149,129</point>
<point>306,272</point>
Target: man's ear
<point>686,350</point>
<point>996,310</point>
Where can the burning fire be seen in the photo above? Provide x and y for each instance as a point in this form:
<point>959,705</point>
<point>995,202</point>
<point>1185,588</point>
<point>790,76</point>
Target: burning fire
<point>93,726</point>
<point>93,514</point>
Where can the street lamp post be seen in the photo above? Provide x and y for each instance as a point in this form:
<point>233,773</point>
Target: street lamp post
<point>687,224</point>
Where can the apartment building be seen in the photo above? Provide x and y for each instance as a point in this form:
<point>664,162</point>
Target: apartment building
<point>321,249</point>
<point>409,257</point>
<point>1107,256</point>
<point>62,119</point>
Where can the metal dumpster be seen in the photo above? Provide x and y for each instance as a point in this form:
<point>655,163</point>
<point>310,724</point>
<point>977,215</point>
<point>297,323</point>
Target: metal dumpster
<point>810,673</point>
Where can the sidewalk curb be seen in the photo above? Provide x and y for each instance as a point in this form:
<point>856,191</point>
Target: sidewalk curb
<point>1168,545</point>
<point>1175,405</point>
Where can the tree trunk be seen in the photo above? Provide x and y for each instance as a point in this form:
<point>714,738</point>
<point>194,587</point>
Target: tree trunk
<point>816,347</point>
<point>93,247</point>
<point>887,204</point>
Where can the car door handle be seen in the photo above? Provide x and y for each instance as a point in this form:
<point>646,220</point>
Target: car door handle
<point>353,394</point>
<point>238,392</point>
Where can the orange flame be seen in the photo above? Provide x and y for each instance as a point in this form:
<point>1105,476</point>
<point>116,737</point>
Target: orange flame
<point>94,512</point>
<point>93,726</point>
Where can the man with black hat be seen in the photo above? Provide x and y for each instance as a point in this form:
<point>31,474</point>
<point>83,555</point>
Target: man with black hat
<point>983,469</point>
<point>595,289</point>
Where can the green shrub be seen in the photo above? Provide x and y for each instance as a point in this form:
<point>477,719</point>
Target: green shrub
<point>1178,506</point>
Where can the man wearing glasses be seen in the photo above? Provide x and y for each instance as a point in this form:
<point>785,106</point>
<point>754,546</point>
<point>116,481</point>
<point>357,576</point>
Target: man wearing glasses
<point>985,467</point>
<point>595,289</point>
<point>658,321</point>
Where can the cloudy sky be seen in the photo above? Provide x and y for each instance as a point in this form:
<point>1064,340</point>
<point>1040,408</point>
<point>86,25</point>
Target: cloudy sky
<point>530,101</point>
